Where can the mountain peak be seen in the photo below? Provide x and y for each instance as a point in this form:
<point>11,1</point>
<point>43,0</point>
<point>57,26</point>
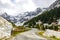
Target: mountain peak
<point>55,4</point>
<point>21,18</point>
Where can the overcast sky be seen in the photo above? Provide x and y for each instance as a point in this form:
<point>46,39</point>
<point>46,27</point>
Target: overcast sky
<point>14,7</point>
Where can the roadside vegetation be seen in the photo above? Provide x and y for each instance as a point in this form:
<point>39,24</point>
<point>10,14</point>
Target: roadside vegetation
<point>48,38</point>
<point>46,17</point>
<point>18,29</point>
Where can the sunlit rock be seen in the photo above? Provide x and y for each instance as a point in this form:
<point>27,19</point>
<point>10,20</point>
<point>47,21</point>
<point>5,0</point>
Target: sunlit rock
<point>5,28</point>
<point>50,33</point>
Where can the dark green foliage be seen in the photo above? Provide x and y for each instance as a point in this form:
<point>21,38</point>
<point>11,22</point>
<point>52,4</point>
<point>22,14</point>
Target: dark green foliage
<point>43,28</point>
<point>51,27</point>
<point>56,28</point>
<point>45,17</point>
<point>37,26</point>
<point>46,27</point>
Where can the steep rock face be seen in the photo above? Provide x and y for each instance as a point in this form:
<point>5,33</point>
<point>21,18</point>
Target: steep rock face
<point>55,4</point>
<point>5,28</point>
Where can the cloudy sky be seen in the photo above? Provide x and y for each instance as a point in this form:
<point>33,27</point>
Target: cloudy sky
<point>14,7</point>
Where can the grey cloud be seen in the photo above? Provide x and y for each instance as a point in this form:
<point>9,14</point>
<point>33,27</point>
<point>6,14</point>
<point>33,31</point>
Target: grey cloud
<point>19,6</point>
<point>6,5</point>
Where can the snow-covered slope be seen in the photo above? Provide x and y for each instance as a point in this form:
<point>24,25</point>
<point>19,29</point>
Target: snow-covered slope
<point>21,18</point>
<point>55,4</point>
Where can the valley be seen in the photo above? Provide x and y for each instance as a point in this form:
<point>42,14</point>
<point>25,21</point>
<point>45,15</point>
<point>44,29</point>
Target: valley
<point>40,24</point>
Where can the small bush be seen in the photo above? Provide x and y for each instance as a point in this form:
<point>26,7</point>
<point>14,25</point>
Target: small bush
<point>41,33</point>
<point>52,37</point>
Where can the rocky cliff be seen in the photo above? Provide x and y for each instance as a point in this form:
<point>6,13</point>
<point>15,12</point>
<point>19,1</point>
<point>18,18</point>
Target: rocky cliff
<point>5,28</point>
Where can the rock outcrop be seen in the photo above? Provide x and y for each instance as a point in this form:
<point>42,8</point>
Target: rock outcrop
<point>5,28</point>
<point>51,33</point>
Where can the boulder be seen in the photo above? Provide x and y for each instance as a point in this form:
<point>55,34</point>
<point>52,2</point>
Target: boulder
<point>50,33</point>
<point>5,28</point>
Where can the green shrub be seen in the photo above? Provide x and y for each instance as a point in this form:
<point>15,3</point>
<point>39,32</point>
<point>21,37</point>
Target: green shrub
<point>41,33</point>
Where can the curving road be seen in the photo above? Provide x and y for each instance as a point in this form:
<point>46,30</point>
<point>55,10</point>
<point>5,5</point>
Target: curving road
<point>29,35</point>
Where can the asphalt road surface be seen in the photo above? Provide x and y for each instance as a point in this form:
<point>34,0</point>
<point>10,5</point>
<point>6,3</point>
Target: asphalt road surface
<point>29,35</point>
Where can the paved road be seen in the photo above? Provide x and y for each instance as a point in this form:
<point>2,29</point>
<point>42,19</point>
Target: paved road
<point>29,35</point>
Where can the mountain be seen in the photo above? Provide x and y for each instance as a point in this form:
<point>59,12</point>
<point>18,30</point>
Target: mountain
<point>45,17</point>
<point>5,28</point>
<point>21,18</point>
<point>55,4</point>
<point>48,16</point>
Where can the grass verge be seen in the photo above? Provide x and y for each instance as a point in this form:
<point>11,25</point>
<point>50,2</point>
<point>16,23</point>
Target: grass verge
<point>18,31</point>
<point>48,38</point>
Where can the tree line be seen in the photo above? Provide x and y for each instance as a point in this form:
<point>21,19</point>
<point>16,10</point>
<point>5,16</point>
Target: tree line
<point>46,17</point>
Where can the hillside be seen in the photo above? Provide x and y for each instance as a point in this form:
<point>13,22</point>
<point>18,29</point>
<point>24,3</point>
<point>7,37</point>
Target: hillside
<point>22,17</point>
<point>45,17</point>
<point>55,4</point>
